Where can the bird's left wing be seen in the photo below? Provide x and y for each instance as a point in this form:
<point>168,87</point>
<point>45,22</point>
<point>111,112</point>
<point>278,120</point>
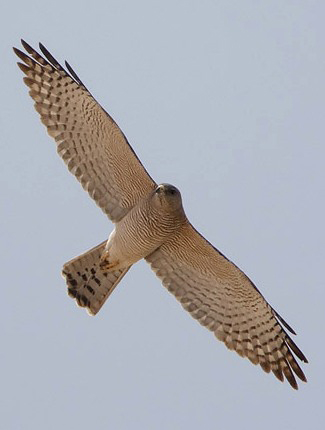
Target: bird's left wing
<point>222,298</point>
<point>91,144</point>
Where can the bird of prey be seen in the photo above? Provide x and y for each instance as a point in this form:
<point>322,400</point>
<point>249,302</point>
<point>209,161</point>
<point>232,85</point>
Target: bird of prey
<point>150,223</point>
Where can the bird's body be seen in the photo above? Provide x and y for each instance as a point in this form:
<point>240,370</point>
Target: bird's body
<point>144,228</point>
<point>150,223</point>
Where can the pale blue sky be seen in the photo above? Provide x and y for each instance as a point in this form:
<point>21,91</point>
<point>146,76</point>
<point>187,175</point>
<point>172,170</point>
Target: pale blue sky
<point>224,99</point>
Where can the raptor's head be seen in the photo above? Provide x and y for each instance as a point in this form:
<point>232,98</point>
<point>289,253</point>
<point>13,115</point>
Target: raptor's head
<point>167,196</point>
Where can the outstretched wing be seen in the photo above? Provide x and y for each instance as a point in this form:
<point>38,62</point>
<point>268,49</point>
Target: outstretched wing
<point>89,141</point>
<point>222,298</point>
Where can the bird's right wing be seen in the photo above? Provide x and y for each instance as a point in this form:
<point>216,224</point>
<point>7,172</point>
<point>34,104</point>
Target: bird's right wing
<point>89,141</point>
<point>223,299</point>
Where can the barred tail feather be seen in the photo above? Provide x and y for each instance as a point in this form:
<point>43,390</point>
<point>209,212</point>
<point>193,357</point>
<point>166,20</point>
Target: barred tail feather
<point>87,284</point>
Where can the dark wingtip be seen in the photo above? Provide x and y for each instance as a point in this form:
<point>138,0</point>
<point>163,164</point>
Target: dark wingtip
<point>28,48</point>
<point>73,74</point>
<point>294,384</point>
<point>19,53</point>
<point>50,57</point>
<point>304,379</point>
<point>296,350</point>
<point>50,60</point>
<point>283,321</point>
<point>46,52</point>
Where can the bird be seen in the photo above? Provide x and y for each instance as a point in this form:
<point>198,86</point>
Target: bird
<point>149,223</point>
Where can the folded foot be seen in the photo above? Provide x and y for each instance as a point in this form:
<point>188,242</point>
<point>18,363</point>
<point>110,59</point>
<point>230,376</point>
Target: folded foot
<point>105,264</point>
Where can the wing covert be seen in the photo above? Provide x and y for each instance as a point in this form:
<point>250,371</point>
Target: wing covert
<point>90,142</point>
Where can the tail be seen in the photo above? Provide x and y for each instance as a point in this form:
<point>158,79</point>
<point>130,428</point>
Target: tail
<point>87,284</point>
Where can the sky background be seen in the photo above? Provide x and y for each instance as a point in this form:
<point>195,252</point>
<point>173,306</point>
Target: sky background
<point>224,99</point>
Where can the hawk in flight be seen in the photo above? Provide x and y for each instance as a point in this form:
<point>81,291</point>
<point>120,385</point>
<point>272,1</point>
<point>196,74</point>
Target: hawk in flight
<point>150,223</point>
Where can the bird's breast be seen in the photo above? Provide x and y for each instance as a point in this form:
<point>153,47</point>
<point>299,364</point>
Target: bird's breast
<point>141,232</point>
